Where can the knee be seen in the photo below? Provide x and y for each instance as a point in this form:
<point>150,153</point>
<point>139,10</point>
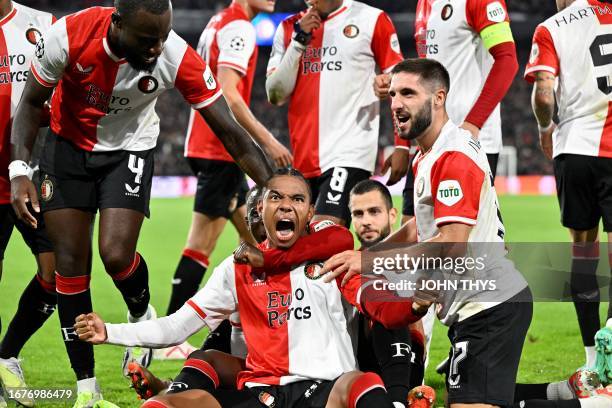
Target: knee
<point>71,263</point>
<point>115,258</point>
<point>210,356</point>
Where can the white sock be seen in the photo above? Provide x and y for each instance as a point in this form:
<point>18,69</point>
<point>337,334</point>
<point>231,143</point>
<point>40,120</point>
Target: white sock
<point>609,323</point>
<point>598,401</point>
<point>88,385</point>
<point>559,391</point>
<point>147,316</point>
<point>591,356</point>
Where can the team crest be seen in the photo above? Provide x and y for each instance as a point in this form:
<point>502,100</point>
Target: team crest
<point>447,12</point>
<point>148,84</point>
<point>313,270</point>
<point>351,31</point>
<point>267,399</point>
<point>420,186</point>
<point>33,35</point>
<point>535,51</point>
<point>46,189</point>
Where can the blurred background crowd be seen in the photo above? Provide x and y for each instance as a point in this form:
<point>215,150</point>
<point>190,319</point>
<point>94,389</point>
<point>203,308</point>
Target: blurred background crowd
<point>191,16</point>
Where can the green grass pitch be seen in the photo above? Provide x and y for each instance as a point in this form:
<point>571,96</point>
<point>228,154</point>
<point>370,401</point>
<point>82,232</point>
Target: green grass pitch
<point>552,351</point>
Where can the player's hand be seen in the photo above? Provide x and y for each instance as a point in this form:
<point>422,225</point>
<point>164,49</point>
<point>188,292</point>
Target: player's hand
<point>310,21</point>
<point>382,84</point>
<point>279,153</point>
<point>248,254</point>
<point>22,193</point>
<point>546,142</point>
<point>471,128</point>
<point>423,298</point>
<point>90,328</point>
<point>348,262</point>
<point>398,161</point>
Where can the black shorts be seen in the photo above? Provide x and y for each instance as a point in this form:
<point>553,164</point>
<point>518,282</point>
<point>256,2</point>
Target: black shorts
<point>584,190</point>
<point>222,187</point>
<point>302,394</point>
<point>408,193</point>
<point>331,191</point>
<point>74,178</point>
<point>485,353</point>
<point>36,239</point>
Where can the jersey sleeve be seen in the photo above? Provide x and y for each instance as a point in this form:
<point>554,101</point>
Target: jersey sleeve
<point>195,81</point>
<point>216,301</point>
<point>236,41</point>
<point>278,49</point>
<point>543,56</point>
<point>490,19</point>
<point>51,55</point>
<point>385,44</point>
<point>456,184</point>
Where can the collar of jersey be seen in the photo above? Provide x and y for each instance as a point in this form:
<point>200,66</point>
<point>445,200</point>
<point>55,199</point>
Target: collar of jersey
<point>8,17</point>
<point>346,4</point>
<point>110,53</point>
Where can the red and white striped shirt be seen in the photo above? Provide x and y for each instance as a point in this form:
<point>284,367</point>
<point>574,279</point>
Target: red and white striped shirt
<point>100,102</point>
<point>20,30</point>
<point>229,40</point>
<point>333,112</point>
<point>575,45</point>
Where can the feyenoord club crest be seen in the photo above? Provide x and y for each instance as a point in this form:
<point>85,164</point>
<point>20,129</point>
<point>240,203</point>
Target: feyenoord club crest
<point>267,399</point>
<point>46,189</point>
<point>33,35</point>
<point>420,187</point>
<point>148,84</point>
<point>313,270</point>
<point>447,12</point>
<point>351,31</point>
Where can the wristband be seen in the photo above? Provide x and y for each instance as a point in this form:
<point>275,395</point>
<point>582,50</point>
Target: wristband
<point>300,35</point>
<point>19,168</point>
<point>547,128</point>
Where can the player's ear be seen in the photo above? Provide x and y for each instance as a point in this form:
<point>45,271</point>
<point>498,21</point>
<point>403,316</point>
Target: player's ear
<point>311,211</point>
<point>439,98</point>
<point>392,216</point>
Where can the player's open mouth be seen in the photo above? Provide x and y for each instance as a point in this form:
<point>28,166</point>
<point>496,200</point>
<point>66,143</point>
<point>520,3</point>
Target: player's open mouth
<point>402,118</point>
<point>285,229</point>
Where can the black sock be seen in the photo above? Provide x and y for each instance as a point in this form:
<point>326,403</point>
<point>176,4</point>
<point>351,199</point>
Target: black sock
<point>375,398</point>
<point>220,339</point>
<point>133,283</point>
<point>530,391</point>
<point>368,391</point>
<point>196,374</point>
<point>35,307</point>
<point>393,351</point>
<point>536,403</point>
<point>585,292</point>
<point>187,278</point>
<point>73,299</point>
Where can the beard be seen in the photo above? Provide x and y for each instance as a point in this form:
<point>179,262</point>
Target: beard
<point>383,234</point>
<point>420,122</point>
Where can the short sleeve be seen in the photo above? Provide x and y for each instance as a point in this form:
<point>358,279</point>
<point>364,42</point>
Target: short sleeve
<point>278,49</point>
<point>51,55</point>
<point>216,301</point>
<point>385,44</point>
<point>236,42</point>
<point>543,56</point>
<point>195,81</point>
<point>456,185</point>
<point>484,13</point>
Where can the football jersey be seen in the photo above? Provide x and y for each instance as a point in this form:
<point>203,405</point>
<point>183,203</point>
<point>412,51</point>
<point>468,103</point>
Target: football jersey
<point>100,102</point>
<point>20,30</point>
<point>290,321</point>
<point>454,184</point>
<point>449,32</point>
<point>333,111</point>
<point>228,40</point>
<point>575,45</point>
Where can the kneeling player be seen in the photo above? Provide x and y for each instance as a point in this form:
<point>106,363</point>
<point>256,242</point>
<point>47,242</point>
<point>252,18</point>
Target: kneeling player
<point>289,321</point>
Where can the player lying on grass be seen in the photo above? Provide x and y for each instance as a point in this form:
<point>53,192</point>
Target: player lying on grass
<point>396,355</point>
<point>290,320</point>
